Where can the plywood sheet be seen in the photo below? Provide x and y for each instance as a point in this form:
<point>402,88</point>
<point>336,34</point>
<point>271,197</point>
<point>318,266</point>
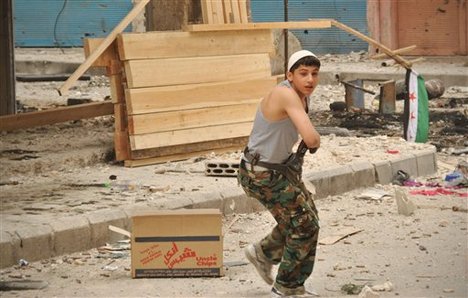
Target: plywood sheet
<point>192,135</point>
<point>171,98</point>
<point>180,71</point>
<point>168,44</point>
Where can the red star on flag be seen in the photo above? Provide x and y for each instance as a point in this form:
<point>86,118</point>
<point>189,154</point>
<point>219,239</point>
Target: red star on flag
<point>412,96</point>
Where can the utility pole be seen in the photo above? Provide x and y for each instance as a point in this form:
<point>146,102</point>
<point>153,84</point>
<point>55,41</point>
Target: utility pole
<point>7,59</point>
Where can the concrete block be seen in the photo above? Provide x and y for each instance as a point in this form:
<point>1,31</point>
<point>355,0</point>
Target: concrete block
<point>321,181</point>
<point>406,163</point>
<point>9,247</point>
<point>426,162</point>
<point>99,222</point>
<point>341,180</point>
<point>221,168</point>
<point>36,242</point>
<point>383,172</point>
<point>71,234</point>
<point>363,174</point>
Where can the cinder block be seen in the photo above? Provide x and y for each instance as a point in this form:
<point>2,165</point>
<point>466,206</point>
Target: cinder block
<point>363,174</point>
<point>9,246</point>
<point>36,242</point>
<point>406,163</point>
<point>426,162</point>
<point>321,181</point>
<point>341,180</point>
<point>99,222</point>
<point>221,168</point>
<point>383,172</point>
<point>71,234</point>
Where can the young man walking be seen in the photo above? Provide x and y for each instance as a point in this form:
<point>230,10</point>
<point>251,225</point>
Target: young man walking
<point>282,116</point>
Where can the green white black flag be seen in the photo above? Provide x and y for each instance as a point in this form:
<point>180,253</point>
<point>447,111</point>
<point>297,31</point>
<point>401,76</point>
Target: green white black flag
<point>416,120</point>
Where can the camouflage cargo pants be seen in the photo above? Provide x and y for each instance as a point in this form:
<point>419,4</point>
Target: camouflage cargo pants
<point>293,241</point>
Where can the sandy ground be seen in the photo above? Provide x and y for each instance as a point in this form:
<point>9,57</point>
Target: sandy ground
<point>422,255</point>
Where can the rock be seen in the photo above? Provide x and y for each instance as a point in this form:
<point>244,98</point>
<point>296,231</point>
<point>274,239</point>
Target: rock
<point>367,292</point>
<point>385,287</point>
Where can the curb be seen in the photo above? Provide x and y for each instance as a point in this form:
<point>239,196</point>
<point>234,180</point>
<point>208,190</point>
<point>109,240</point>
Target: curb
<point>79,233</point>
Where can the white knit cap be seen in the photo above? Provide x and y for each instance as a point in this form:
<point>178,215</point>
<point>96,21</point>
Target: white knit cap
<point>297,56</point>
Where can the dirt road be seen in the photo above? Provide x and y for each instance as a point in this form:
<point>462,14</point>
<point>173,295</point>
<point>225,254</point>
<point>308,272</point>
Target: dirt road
<point>422,255</point>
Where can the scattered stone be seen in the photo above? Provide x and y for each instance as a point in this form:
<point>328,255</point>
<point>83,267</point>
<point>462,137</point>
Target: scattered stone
<point>385,287</point>
<point>367,292</point>
<point>352,289</point>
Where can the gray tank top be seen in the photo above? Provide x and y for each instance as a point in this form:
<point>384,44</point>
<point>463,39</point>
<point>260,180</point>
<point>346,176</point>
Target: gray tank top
<point>272,140</point>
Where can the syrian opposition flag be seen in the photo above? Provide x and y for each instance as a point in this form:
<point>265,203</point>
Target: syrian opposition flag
<point>416,115</point>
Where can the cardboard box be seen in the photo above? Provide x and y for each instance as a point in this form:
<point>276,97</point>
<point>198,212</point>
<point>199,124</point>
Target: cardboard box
<point>177,243</point>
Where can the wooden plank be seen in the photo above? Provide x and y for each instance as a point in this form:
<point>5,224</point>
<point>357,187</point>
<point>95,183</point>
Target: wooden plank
<point>192,135</point>
<point>207,11</point>
<point>109,54</point>
<point>189,148</point>
<point>121,140</point>
<point>228,15</point>
<point>175,98</point>
<point>218,12</point>
<point>57,115</point>
<point>243,11</point>
<point>102,47</point>
<point>312,24</point>
<point>180,71</point>
<point>115,81</point>
<point>152,45</point>
<point>176,157</point>
<point>170,121</point>
<point>235,11</point>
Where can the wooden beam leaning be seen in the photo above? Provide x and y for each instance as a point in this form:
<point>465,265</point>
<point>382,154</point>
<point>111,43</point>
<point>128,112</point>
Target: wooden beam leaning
<point>157,45</point>
<point>56,115</point>
<point>311,24</point>
<point>102,47</point>
<point>174,98</point>
<point>397,51</point>
<point>191,135</point>
<point>178,120</point>
<point>373,42</point>
<point>154,72</point>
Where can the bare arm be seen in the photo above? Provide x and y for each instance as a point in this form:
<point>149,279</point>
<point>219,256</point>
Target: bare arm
<point>295,110</point>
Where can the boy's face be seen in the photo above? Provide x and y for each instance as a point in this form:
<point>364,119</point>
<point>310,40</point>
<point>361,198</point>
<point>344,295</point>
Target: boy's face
<point>304,79</point>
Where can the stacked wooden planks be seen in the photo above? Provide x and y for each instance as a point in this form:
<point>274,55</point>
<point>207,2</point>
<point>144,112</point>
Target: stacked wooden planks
<point>224,11</point>
<point>182,94</point>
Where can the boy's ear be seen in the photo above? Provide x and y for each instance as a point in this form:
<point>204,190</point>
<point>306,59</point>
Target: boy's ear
<point>289,76</point>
